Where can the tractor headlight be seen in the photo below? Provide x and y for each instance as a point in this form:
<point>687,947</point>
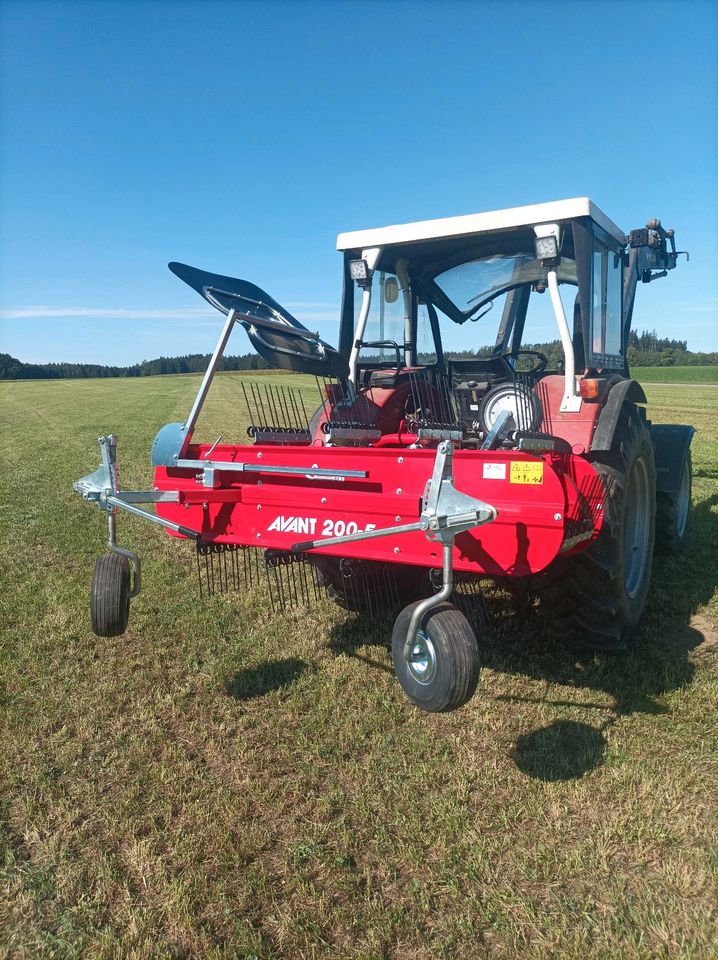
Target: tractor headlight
<point>546,248</point>
<point>547,243</point>
<point>358,270</point>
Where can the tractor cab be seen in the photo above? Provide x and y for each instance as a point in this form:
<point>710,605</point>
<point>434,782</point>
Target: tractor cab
<point>413,293</point>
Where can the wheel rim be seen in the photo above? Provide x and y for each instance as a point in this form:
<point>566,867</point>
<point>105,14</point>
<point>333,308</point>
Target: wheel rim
<point>422,659</point>
<point>683,501</point>
<point>636,526</point>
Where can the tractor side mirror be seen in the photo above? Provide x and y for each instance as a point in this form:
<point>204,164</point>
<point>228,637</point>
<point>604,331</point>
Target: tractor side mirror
<point>391,289</point>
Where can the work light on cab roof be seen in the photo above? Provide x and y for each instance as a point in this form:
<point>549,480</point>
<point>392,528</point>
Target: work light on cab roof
<point>416,473</point>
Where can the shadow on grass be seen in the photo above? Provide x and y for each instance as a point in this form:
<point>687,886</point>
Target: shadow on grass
<point>514,642</point>
<point>564,750</point>
<point>271,675</point>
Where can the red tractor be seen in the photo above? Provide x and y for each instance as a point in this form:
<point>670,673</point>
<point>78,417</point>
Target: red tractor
<point>423,471</point>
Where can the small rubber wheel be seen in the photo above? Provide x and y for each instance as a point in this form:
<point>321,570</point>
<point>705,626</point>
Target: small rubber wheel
<point>442,670</point>
<point>110,595</point>
<point>672,513</point>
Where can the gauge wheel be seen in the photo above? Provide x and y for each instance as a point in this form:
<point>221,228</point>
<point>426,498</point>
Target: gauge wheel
<point>110,595</point>
<point>442,668</point>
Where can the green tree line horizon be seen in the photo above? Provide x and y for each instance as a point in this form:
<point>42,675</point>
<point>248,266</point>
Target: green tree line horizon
<point>645,349</point>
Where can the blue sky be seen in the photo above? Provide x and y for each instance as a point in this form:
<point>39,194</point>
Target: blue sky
<point>242,137</point>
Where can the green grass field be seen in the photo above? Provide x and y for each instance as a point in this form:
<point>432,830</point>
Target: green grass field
<point>222,783</point>
<point>692,375</point>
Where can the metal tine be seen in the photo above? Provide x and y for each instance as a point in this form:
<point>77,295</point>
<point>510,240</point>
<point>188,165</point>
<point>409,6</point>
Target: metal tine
<point>246,401</point>
<point>287,421</point>
<point>272,414</point>
<point>370,591</point>
<point>199,577</point>
<point>305,418</point>
<point>305,575</point>
<point>296,419</point>
<point>281,588</point>
<point>254,414</point>
<point>300,585</point>
<point>290,422</point>
<point>274,596</point>
<point>290,574</point>
<point>412,388</point>
<point>254,417</point>
<point>448,415</point>
<point>264,418</point>
<point>315,579</point>
<point>269,395</point>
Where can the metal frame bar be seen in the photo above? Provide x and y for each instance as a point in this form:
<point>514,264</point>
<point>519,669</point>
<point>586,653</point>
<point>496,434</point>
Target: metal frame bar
<point>209,375</point>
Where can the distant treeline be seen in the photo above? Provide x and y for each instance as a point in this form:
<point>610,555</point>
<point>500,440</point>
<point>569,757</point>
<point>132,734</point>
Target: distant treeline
<point>645,349</point>
<point>12,369</point>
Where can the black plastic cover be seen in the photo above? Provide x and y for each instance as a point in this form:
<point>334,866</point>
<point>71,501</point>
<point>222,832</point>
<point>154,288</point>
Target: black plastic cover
<point>272,330</point>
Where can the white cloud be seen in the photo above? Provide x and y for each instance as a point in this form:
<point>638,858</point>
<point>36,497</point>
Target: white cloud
<point>306,311</point>
<point>105,313</point>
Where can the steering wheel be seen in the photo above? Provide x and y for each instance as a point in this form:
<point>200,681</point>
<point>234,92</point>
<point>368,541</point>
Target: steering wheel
<point>537,368</point>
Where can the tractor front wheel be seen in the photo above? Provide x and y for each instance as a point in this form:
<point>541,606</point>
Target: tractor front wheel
<point>442,668</point>
<point>110,595</point>
<point>595,599</point>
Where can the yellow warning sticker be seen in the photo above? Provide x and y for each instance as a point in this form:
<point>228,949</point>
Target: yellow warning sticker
<point>526,471</point>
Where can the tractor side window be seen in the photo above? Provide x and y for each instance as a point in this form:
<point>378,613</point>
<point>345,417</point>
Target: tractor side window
<point>606,301</point>
<point>425,345</point>
<point>614,290</point>
<point>598,303</point>
<point>385,320</point>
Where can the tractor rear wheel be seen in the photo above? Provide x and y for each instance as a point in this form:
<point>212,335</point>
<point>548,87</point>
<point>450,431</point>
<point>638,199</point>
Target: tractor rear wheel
<point>442,669</point>
<point>110,595</point>
<point>672,513</point>
<point>595,599</point>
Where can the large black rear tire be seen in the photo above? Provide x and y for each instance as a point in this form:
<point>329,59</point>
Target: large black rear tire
<point>672,513</point>
<point>595,599</point>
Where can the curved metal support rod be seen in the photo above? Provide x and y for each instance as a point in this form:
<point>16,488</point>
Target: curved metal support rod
<point>425,605</point>
<point>123,552</point>
<point>191,420</point>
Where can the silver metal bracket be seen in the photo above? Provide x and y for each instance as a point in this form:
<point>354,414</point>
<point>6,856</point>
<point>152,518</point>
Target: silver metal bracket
<point>103,489</point>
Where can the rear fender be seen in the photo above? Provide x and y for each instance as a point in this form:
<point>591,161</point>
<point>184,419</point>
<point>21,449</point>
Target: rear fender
<point>672,443</point>
<point>620,392</point>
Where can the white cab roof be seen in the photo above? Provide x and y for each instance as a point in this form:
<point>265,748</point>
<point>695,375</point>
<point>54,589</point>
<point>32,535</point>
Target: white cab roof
<point>475,223</point>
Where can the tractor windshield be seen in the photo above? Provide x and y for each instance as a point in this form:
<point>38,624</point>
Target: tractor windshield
<point>472,284</point>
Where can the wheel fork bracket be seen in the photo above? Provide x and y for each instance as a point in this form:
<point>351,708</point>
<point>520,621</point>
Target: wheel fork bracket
<point>102,488</point>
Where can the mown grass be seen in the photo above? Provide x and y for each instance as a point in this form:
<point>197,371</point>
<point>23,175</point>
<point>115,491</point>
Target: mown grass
<point>693,375</point>
<point>223,783</point>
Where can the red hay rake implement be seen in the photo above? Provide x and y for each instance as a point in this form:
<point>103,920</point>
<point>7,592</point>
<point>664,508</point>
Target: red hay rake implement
<point>413,477</point>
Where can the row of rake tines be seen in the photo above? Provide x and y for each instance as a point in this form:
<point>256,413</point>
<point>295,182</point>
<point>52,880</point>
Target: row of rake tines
<point>292,581</point>
<point>281,410</point>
